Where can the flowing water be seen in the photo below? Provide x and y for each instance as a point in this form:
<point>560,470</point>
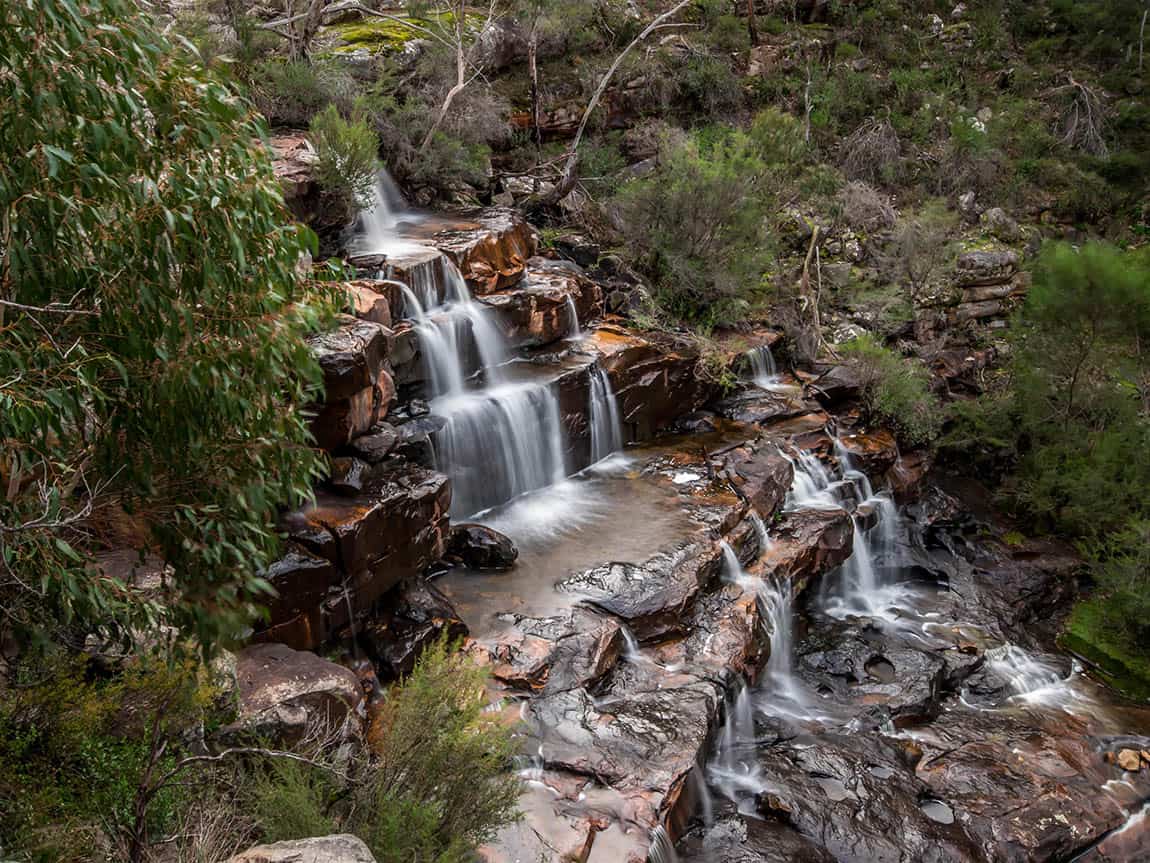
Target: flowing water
<point>604,419</point>
<point>377,230</point>
<point>573,329</point>
<point>764,372</point>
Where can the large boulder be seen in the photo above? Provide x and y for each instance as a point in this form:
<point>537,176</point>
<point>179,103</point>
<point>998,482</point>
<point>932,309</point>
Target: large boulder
<point>549,304</point>
<point>340,848</point>
<point>986,267</point>
<point>836,385</point>
<point>491,250</point>
<point>808,542</point>
<point>358,386</point>
<point>284,692</point>
<point>477,546</point>
<point>760,473</point>
<point>874,453</point>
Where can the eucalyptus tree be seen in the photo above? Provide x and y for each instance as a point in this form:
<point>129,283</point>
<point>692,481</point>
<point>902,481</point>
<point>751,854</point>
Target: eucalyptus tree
<point>152,360</point>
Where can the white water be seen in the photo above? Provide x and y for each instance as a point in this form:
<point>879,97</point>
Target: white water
<point>764,372</point>
<point>603,417</point>
<point>377,228</point>
<point>573,329</point>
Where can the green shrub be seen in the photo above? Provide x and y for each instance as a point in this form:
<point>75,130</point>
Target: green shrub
<point>438,785</point>
<point>700,221</point>
<point>729,35</point>
<point>291,92</point>
<point>707,87</point>
<point>896,391</point>
<point>346,159</point>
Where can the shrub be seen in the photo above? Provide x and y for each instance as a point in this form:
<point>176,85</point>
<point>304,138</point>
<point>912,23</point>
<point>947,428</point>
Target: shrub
<point>707,86</point>
<point>438,786</point>
<point>346,163</point>
<point>866,209</point>
<point>291,92</point>
<point>872,153</point>
<point>896,391</point>
<point>699,222</point>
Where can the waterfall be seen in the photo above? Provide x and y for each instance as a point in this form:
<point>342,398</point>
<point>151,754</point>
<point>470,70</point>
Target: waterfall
<point>500,443</point>
<point>377,227</point>
<point>603,412</point>
<point>573,329</point>
<point>812,487</point>
<point>764,372</point>
<point>662,849</point>
<point>631,651</point>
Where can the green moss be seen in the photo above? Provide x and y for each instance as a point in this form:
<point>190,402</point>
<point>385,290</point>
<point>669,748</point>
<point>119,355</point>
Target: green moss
<point>1089,633</point>
<point>377,35</point>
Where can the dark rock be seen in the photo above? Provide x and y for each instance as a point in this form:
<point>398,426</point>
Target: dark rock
<point>419,428</point>
<point>760,473</point>
<point>654,596</point>
<point>375,446</point>
<point>836,385</point>
<point>538,310</point>
<point>348,475</point>
<point>761,407</point>
<point>477,546</point>
<point>808,542</point>
<point>874,453</point>
<point>578,248</point>
<point>558,654</point>
<point>351,356</point>
<point>410,618</point>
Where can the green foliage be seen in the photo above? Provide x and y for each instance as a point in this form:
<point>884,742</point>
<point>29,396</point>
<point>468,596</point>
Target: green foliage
<point>291,92</point>
<point>73,750</point>
<point>707,87</point>
<point>700,221</point>
<point>896,391</point>
<point>163,384</point>
<point>439,784</point>
<point>1073,426</point>
<point>346,164</point>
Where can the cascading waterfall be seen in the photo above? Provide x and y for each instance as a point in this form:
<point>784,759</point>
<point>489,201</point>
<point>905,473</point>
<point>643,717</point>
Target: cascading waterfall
<point>377,228</point>
<point>764,372</point>
<point>603,412</point>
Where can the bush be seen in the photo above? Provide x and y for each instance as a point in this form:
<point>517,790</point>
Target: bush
<point>896,391</point>
<point>707,87</point>
<point>872,153</point>
<point>700,221</point>
<point>866,209</point>
<point>157,397</point>
<point>439,784</point>
<point>291,92</point>
<point>346,164</point>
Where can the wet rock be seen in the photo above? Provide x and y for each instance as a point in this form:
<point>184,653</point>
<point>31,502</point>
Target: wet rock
<point>351,356</point>
<point>557,654</point>
<point>339,421</point>
<point>654,383</point>
<point>493,253</point>
<point>907,474</point>
<point>340,848</point>
<point>654,596</point>
<point>808,542</point>
<point>762,407</point>
<point>760,473</point>
<point>874,453</point>
<point>411,617</point>
<point>282,692</point>
<point>477,546</point>
<point>375,446</point>
<point>989,267</point>
<point>740,839</point>
<point>302,582</point>
<point>392,530</point>
<point>836,385</point>
<point>368,303</point>
<point>538,310</point>
<point>348,475</point>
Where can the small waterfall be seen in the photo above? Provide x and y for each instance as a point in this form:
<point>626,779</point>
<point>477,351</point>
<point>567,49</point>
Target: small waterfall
<point>573,329</point>
<point>733,769</point>
<point>662,849</point>
<point>812,487</point>
<point>631,652</point>
<point>377,228</point>
<point>1030,677</point>
<point>764,372</point>
<point>603,412</point>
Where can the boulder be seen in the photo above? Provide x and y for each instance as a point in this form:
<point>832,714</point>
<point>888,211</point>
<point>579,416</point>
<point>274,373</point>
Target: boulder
<point>986,267</point>
<point>836,385</point>
<point>996,222</point>
<point>654,382</point>
<point>551,303</point>
<point>760,473</point>
<point>874,453</point>
<point>411,617</point>
<point>341,848</point>
<point>392,530</point>
<point>283,692</point>
<point>491,250</point>
<point>808,542</point>
<point>348,475</point>
<point>477,546</point>
<point>339,421</point>
<point>375,446</point>
<point>368,303</point>
<point>351,356</point>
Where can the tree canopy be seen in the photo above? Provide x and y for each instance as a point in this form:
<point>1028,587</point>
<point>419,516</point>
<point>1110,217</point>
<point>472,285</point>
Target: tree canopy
<point>152,361</point>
